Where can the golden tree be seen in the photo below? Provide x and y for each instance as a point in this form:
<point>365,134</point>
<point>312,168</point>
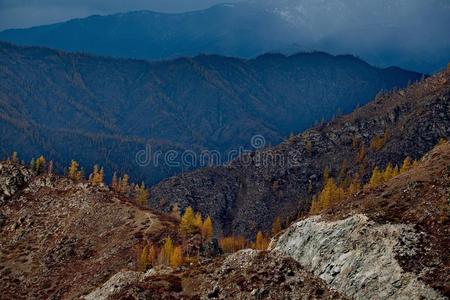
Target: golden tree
<point>166,252</point>
<point>142,195</point>
<point>176,258</point>
<point>207,229</point>
<point>377,178</point>
<point>40,164</point>
<point>198,220</point>
<point>143,258</point>
<point>276,226</point>
<point>232,243</point>
<point>406,165</point>
<point>73,171</point>
<point>124,185</point>
<point>261,242</point>
<point>388,172</point>
<point>187,223</point>
<point>152,254</point>
<point>97,175</point>
<point>14,157</point>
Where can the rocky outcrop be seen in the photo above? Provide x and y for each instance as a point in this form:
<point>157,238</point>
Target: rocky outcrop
<point>13,177</point>
<point>356,256</point>
<point>247,274</point>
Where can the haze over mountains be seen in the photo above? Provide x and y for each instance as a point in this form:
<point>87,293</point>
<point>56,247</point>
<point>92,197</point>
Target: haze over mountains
<point>411,34</point>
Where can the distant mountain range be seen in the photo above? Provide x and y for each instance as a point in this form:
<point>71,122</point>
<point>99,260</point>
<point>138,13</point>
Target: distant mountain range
<point>103,110</point>
<point>363,28</point>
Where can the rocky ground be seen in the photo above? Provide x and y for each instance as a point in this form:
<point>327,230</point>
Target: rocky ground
<point>247,274</point>
<point>60,239</point>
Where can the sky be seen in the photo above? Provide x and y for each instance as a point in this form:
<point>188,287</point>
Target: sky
<point>27,13</point>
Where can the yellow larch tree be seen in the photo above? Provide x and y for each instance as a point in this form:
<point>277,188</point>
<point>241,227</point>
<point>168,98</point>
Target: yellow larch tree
<point>142,195</point>
<point>176,258</point>
<point>406,165</point>
<point>198,220</point>
<point>377,178</point>
<point>207,229</point>
<point>166,252</point>
<point>276,226</point>
<point>187,223</point>
<point>261,242</point>
<point>73,171</point>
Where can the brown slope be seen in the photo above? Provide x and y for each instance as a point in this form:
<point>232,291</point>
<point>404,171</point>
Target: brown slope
<point>249,193</point>
<point>420,197</point>
<point>60,239</point>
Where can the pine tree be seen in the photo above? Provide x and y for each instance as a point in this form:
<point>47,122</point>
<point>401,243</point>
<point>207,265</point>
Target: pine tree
<point>97,175</point>
<point>152,255</point>
<point>124,185</point>
<point>176,259</point>
<point>377,178</point>
<point>207,229</point>
<point>142,195</point>
<point>261,243</point>
<point>276,226</point>
<point>232,244</point>
<point>14,157</point>
<point>73,171</point>
<point>388,172</point>
<point>143,259</point>
<point>198,220</point>
<point>166,252</point>
<point>114,183</point>
<point>40,164</point>
<point>187,223</point>
<point>406,165</point>
<point>33,164</point>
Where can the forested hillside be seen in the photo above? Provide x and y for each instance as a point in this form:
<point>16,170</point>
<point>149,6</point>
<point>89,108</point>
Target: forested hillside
<point>102,110</point>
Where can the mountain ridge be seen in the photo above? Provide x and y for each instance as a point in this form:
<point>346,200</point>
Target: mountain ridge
<point>106,110</point>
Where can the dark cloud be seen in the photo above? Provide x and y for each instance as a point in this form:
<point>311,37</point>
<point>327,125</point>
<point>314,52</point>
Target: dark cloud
<point>26,13</point>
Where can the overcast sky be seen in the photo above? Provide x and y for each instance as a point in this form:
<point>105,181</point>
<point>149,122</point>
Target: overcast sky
<point>26,13</point>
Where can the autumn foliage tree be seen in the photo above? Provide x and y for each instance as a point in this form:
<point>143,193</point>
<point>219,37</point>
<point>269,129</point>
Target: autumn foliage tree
<point>187,223</point>
<point>176,257</point>
<point>207,229</point>
<point>97,175</point>
<point>142,194</point>
<point>261,242</point>
<point>73,172</point>
<point>166,252</point>
<point>232,244</point>
<point>276,226</point>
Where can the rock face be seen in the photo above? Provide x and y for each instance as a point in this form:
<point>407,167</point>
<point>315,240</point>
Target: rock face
<point>356,256</point>
<point>250,192</point>
<point>13,178</point>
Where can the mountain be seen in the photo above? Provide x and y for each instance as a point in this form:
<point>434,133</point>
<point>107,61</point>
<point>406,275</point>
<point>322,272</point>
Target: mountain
<point>108,111</point>
<point>250,28</point>
<point>249,193</point>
